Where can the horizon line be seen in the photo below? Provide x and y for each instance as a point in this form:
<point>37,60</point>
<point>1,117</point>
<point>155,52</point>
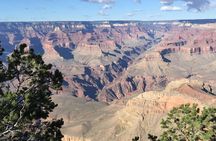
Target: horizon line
<point>112,20</point>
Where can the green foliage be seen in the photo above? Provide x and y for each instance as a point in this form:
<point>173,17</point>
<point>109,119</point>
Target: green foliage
<point>188,123</point>
<point>25,98</point>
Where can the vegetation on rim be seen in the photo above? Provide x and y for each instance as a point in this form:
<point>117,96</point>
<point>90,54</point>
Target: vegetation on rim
<point>188,123</point>
<point>26,85</point>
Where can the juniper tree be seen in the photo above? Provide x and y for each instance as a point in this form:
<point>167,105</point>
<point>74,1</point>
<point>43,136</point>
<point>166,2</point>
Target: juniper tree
<point>26,85</point>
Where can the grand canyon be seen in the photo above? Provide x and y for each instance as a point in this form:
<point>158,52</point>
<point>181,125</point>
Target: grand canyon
<point>122,77</point>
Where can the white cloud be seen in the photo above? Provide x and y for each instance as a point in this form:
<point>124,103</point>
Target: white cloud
<point>104,10</point>
<point>170,8</point>
<point>198,5</point>
<point>107,6</point>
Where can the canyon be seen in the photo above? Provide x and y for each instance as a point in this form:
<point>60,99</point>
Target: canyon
<point>124,119</point>
<point>122,77</point>
<point>92,56</point>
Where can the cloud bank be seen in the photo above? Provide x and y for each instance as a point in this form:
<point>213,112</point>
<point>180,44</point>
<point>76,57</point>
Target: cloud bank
<point>198,5</point>
<point>167,5</point>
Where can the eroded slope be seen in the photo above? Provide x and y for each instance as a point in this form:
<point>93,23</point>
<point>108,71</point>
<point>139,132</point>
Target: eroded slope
<point>124,119</point>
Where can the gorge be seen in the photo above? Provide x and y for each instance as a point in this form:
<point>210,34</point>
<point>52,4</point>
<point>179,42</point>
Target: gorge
<point>122,77</point>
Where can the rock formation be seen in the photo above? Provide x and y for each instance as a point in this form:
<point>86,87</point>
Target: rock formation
<point>124,119</point>
<point>104,61</point>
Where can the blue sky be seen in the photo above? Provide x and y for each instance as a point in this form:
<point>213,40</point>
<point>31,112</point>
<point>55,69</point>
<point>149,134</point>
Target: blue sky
<point>80,10</point>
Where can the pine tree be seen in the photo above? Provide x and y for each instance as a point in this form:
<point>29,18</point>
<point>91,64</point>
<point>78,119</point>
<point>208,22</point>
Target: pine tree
<point>26,85</point>
<point>188,123</point>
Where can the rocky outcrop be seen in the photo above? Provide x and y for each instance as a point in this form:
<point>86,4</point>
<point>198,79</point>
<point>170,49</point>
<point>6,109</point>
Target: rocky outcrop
<point>188,40</point>
<point>122,88</point>
<point>124,119</point>
<point>107,46</point>
<point>88,50</point>
<point>50,54</point>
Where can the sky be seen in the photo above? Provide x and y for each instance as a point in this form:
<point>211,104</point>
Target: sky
<point>96,10</point>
